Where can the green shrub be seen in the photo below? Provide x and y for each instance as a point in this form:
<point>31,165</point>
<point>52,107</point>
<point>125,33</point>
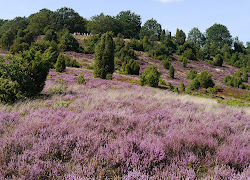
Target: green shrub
<point>135,44</point>
<point>202,80</point>
<point>184,62</point>
<point>68,43</point>
<point>171,87</point>
<point>50,35</point>
<point>245,76</point>
<point>192,74</point>
<point>166,63</point>
<point>109,77</point>
<point>171,71</point>
<point>194,84</point>
<point>205,79</point>
<point>62,104</point>
<point>71,63</point>
<point>60,63</point>
<point>80,79</point>
<point>176,89</point>
<point>23,76</point>
<point>131,67</point>
<point>125,54</point>
<point>212,91</point>
<point>90,44</point>
<point>228,80</point>
<point>150,76</point>
<point>57,89</point>
<point>162,82</point>
<point>189,54</point>
<point>104,57</point>
<point>182,87</point>
<point>218,60</point>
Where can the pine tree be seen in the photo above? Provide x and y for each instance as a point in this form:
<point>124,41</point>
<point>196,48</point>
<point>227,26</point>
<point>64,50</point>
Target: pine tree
<point>104,57</point>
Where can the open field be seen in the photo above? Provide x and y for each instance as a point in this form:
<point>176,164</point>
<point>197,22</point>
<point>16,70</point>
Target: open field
<point>112,129</point>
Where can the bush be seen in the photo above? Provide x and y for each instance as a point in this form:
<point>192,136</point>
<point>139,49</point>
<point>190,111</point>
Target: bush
<point>50,35</point>
<point>80,79</point>
<point>162,82</point>
<point>90,44</point>
<point>212,91</point>
<point>104,57</point>
<point>184,62</point>
<point>131,67</point>
<point>228,80</point>
<point>160,51</point>
<point>182,87</point>
<point>135,44</point>
<point>194,84</point>
<point>218,60</point>
<point>171,87</point>
<point>71,63</point>
<point>192,74</point>
<point>68,43</point>
<point>189,54</point>
<point>203,80</point>
<point>23,76</point>
<point>150,76</point>
<point>109,77</point>
<point>60,63</point>
<point>125,54</point>
<point>166,63</point>
<point>245,76</point>
<point>171,71</point>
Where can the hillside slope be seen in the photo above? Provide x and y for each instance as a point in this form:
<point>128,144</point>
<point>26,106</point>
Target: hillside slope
<point>112,129</point>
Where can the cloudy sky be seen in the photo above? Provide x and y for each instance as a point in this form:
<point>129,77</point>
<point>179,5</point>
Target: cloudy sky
<point>172,14</point>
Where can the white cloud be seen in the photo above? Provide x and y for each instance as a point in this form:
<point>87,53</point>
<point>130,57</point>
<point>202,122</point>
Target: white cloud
<point>169,1</point>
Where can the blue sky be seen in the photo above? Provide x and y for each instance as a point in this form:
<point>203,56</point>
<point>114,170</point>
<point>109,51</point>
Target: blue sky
<point>172,14</point>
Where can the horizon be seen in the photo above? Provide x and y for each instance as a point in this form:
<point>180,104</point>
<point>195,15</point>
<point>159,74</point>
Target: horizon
<point>171,14</point>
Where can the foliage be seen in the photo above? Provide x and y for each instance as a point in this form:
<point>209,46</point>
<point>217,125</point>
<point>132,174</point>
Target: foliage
<point>131,67</point>
<point>233,102</point>
<point>67,18</point>
<point>103,23</point>
<point>50,35</point>
<point>104,57</point>
<point>130,24</point>
<point>196,37</point>
<point>145,43</point>
<point>218,60</point>
<point>23,75</point>
<point>150,76</point>
<point>80,79</point>
<point>61,63</point>
<point>152,29</point>
<point>182,87</point>
<point>219,35</point>
<point>7,39</point>
<point>90,43</point>
<point>171,71</point>
<point>135,44</point>
<point>71,63</point>
<point>192,74</point>
<point>180,37</point>
<point>159,51</point>
<point>162,82</point>
<point>184,62</point>
<point>166,63</point>
<point>68,43</point>
<point>202,80</point>
<point>189,54</point>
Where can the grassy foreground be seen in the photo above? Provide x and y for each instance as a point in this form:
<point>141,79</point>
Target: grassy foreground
<point>115,130</point>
